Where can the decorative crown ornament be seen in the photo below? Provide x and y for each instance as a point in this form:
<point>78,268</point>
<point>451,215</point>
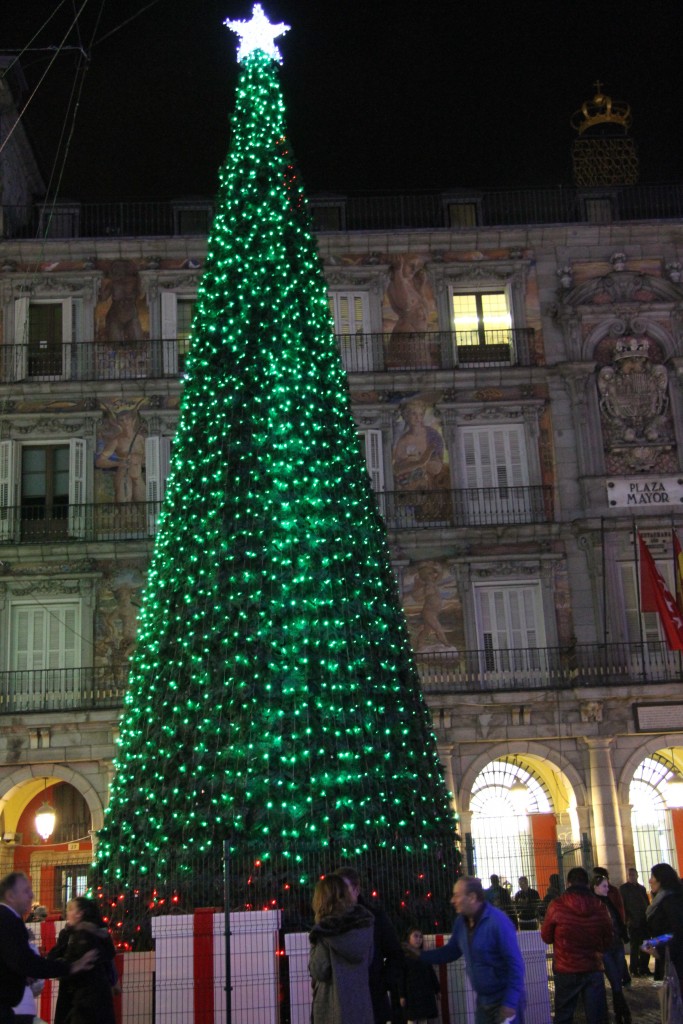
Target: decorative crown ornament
<point>601,109</point>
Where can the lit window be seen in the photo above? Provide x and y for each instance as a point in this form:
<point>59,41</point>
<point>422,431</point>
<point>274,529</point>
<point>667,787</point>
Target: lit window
<point>482,318</point>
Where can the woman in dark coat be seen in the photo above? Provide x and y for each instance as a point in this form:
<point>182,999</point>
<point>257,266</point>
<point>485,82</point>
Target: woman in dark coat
<point>665,915</point>
<point>85,998</point>
<point>339,961</point>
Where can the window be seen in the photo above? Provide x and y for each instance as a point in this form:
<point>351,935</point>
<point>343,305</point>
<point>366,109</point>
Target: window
<point>157,463</point>
<point>463,214</point>
<point>176,321</point>
<point>371,446</point>
<point>495,475</point>
<point>510,628</point>
<point>328,216</point>
<point>46,333</point>
<point>44,652</point>
<point>598,209</point>
<point>642,627</point>
<point>650,655</point>
<point>192,218</point>
<point>42,490</point>
<point>351,314</point>
<point>481,319</point>
<point>70,881</point>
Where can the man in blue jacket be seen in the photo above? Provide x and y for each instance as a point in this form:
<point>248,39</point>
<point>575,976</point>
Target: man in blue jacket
<point>487,938</point>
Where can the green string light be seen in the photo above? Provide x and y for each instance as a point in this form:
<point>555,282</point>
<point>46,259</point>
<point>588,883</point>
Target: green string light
<point>273,701</point>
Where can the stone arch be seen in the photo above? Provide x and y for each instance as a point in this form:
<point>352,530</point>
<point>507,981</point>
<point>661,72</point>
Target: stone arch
<point>643,750</point>
<point>10,784</point>
<point>532,749</point>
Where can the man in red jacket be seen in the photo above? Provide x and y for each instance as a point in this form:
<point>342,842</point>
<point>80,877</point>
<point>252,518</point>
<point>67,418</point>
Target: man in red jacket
<point>578,926</point>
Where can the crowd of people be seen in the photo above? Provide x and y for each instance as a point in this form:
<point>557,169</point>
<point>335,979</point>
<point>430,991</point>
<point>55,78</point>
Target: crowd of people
<point>362,972</point>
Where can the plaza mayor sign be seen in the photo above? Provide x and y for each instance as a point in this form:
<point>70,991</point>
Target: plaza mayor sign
<point>623,492</point>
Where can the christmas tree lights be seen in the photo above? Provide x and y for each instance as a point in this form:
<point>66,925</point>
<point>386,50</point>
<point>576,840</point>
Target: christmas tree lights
<point>274,701</point>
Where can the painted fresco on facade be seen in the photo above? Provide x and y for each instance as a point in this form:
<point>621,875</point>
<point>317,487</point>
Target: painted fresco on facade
<point>420,461</point>
<point>116,618</point>
<point>409,311</point>
<point>433,607</point>
<point>120,453</point>
<point>121,324</point>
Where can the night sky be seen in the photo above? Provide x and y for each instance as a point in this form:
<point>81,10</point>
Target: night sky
<point>377,98</point>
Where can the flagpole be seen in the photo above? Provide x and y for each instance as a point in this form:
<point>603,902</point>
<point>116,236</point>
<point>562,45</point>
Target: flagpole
<point>604,582</point>
<point>638,589</point>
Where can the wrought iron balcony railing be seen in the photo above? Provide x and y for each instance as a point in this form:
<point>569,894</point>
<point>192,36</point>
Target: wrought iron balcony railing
<point>484,506</point>
<point>489,207</point>
<point>437,350</point>
<point>361,353</point>
<point>548,668</point>
<point>441,672</point>
<point>402,510</point>
<point>32,524</point>
<point>62,689</point>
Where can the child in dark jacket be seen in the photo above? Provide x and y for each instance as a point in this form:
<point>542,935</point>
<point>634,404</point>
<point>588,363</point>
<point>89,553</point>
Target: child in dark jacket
<point>420,983</point>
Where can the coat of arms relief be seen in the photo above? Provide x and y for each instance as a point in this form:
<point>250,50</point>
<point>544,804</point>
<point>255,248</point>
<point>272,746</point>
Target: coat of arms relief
<point>633,394</point>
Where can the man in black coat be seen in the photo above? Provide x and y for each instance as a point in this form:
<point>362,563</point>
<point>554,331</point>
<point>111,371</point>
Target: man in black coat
<point>17,960</point>
<point>636,902</point>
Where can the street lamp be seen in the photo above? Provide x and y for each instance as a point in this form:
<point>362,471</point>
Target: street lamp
<point>45,819</point>
<point>519,797</point>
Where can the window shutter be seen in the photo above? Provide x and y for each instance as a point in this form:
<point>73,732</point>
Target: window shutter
<point>157,463</point>
<point>509,619</point>
<point>651,627</point>
<point>169,332</point>
<point>21,338</point>
<point>372,444</point>
<point>350,312</point>
<point>8,489</point>
<point>28,639</point>
<point>494,459</point>
<point>77,487</point>
<point>77,318</point>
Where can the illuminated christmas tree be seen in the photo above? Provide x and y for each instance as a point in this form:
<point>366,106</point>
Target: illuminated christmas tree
<point>274,702</point>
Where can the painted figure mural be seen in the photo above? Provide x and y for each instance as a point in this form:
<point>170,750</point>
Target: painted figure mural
<point>122,289</point>
<point>432,608</point>
<point>121,450</point>
<point>409,296</point>
<point>420,462</point>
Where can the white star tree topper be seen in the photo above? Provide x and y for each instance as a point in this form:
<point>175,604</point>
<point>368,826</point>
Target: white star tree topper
<point>257,34</point>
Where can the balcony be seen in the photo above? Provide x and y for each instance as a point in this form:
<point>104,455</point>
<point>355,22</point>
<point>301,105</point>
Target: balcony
<point>458,209</point>
<point>361,353</point>
<point>548,668</point>
<point>483,506</point>
<point>62,689</point>
<point>441,674</point>
<point>106,521</point>
<point>401,510</point>
<point>436,350</point>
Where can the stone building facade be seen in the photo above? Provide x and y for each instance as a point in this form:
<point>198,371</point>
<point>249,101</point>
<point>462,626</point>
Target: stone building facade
<point>514,373</point>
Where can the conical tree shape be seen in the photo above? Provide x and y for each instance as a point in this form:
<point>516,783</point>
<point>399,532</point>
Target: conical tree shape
<point>274,701</point>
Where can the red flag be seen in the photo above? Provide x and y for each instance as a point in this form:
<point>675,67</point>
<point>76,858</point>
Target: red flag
<point>678,571</point>
<point>655,597</point>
